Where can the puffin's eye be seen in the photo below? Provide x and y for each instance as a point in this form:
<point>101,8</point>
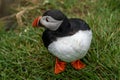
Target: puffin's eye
<point>47,20</point>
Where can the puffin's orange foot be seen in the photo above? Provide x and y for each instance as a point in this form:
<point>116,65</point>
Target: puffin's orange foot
<point>59,66</point>
<point>78,64</point>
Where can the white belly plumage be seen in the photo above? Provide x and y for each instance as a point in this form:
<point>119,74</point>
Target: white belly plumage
<point>73,47</point>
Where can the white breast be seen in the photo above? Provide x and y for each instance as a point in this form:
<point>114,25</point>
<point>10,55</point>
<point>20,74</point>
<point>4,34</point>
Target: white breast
<point>73,47</point>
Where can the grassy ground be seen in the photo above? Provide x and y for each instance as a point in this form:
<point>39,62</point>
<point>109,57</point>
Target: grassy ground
<point>23,56</point>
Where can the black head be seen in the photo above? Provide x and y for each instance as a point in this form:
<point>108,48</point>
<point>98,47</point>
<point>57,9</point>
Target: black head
<point>56,14</point>
<point>52,19</point>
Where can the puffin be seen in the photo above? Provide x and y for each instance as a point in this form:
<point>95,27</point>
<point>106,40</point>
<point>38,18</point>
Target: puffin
<point>68,39</point>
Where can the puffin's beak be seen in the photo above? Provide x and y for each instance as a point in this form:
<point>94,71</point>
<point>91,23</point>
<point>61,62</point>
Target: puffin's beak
<point>36,22</point>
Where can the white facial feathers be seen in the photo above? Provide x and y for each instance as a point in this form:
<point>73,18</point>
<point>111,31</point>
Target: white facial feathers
<point>50,22</point>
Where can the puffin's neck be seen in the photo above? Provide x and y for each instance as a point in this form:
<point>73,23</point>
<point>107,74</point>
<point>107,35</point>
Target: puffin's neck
<point>64,27</point>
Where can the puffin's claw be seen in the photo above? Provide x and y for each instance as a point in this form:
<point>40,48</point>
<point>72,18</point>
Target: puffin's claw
<point>59,66</point>
<point>78,64</point>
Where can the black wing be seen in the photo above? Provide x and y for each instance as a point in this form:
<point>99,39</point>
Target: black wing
<point>78,24</point>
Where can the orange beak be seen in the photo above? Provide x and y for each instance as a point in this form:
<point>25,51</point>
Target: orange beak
<point>35,23</point>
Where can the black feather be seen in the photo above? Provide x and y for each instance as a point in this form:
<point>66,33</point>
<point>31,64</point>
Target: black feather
<point>56,14</point>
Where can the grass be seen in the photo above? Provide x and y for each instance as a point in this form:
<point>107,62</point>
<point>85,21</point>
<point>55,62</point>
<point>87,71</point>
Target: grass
<point>23,56</point>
